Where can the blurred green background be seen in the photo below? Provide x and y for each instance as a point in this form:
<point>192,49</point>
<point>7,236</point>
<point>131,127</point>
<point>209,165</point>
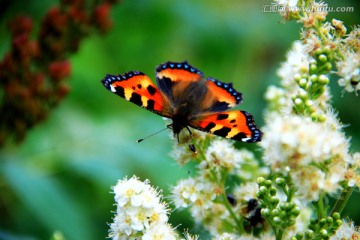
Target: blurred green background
<point>60,177</point>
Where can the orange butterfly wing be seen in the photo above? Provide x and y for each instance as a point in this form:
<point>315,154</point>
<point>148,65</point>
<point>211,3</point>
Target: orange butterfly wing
<point>223,95</point>
<point>172,78</point>
<point>138,88</point>
<point>236,124</point>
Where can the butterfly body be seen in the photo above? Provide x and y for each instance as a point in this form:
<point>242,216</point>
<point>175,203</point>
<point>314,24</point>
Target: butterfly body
<point>185,106</point>
<point>184,96</point>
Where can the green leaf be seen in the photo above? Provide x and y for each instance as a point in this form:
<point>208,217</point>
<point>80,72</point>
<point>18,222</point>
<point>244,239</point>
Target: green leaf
<point>47,201</point>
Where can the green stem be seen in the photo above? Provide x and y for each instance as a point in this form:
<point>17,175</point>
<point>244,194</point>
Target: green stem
<point>279,234</point>
<point>239,222</point>
<point>342,200</point>
<point>320,207</point>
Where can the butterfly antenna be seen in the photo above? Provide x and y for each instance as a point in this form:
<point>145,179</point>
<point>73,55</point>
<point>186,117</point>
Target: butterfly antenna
<point>142,139</point>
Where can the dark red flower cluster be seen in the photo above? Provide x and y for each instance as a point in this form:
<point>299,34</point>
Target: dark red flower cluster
<point>33,72</point>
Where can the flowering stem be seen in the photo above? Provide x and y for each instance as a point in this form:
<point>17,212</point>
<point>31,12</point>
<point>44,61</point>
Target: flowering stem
<point>342,200</point>
<point>278,234</point>
<point>320,206</point>
<point>239,222</point>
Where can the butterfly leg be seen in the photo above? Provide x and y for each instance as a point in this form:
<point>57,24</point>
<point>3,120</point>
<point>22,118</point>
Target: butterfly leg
<point>191,146</point>
<point>187,127</point>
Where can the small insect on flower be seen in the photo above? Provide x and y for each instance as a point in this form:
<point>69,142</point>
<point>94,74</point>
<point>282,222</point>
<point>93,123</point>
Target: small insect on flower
<point>188,99</point>
<point>252,212</point>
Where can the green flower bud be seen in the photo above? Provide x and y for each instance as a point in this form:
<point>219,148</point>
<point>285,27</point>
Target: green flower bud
<point>291,222</point>
<point>329,220</point>
<point>338,222</point>
<point>297,77</point>
<point>299,236</point>
<point>314,116</point>
<point>328,66</point>
<point>280,181</point>
<point>322,222</point>
<point>295,211</point>
<point>260,194</point>
<point>327,50</point>
<point>313,67</point>
<point>275,212</point>
<point>309,234</point>
<point>291,205</point>
<point>273,191</point>
<point>336,215</point>
<point>265,212</point>
<point>303,94</point>
<point>302,82</point>
<point>318,51</point>
<point>309,103</point>
<point>322,58</point>
<point>274,200</point>
<point>260,181</point>
<point>323,79</point>
<point>282,214</point>
<point>298,101</point>
<point>324,233</point>
<point>263,189</point>
<point>322,118</point>
<point>268,183</point>
<point>277,220</point>
<point>314,78</point>
<point>283,205</point>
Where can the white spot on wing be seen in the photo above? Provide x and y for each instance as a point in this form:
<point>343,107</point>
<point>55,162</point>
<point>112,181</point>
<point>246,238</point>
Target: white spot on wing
<point>112,88</point>
<point>245,139</point>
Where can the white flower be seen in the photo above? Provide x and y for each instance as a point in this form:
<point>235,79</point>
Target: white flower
<point>193,192</point>
<point>296,140</point>
<point>316,12</point>
<point>198,195</point>
<point>349,70</point>
<point>297,63</point>
<point>247,191</point>
<point>353,41</point>
<point>227,236</point>
<point>291,3</point>
<point>188,236</point>
<point>307,148</point>
<point>160,232</point>
<point>352,175</point>
<point>221,154</point>
<point>128,191</point>
<point>311,40</point>
<point>138,208</point>
<point>121,226</point>
<point>346,231</point>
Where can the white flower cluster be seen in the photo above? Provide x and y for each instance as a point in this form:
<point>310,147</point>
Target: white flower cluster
<point>346,231</point>
<point>195,193</point>
<point>349,70</point>
<point>198,195</point>
<point>227,236</point>
<point>203,194</point>
<point>297,64</point>
<point>315,154</point>
<point>140,214</point>
<point>221,154</point>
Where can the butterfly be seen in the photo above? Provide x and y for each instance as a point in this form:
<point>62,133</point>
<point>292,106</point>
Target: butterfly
<point>188,99</point>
